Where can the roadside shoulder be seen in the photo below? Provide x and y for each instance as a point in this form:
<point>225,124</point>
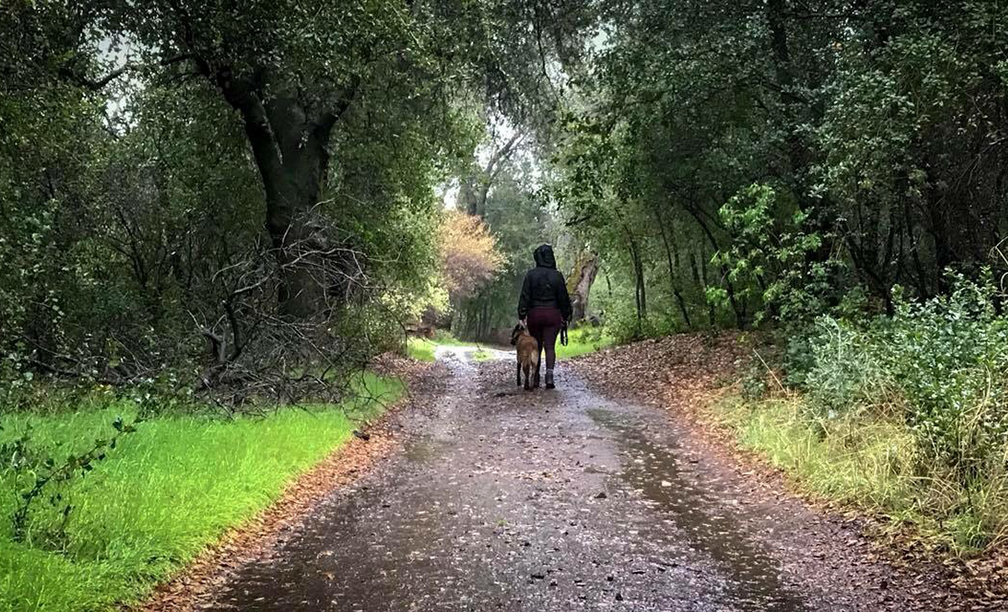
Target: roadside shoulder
<point>424,384</point>
<point>685,375</point>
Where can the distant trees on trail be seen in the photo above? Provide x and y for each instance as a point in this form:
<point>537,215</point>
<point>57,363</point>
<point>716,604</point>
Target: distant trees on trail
<point>245,201</point>
<point>240,201</point>
<point>469,255</point>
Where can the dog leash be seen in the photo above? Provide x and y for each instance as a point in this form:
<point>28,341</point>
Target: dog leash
<point>563,335</point>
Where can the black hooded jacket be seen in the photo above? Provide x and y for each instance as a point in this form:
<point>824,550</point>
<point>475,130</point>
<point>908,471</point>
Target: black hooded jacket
<point>544,285</point>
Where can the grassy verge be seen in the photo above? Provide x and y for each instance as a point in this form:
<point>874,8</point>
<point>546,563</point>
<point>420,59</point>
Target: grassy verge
<point>420,349</point>
<point>871,463</point>
<point>168,490</point>
<point>446,338</point>
<point>423,349</point>
<point>582,341</point>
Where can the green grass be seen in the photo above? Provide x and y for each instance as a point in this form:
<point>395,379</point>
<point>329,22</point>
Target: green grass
<point>423,349</point>
<point>867,462</point>
<point>420,349</point>
<point>166,492</point>
<point>582,341</point>
<point>446,338</point>
<point>481,355</point>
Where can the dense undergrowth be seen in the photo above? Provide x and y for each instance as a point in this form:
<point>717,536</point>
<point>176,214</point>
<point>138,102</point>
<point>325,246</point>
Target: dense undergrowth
<point>905,415</point>
<point>161,495</point>
<point>420,349</point>
<point>584,340</point>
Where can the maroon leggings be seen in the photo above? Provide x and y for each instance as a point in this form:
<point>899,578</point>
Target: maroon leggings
<point>544,324</point>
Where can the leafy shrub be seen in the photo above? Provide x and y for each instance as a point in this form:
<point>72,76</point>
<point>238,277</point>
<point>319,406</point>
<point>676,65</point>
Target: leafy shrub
<point>934,375</point>
<point>587,334</point>
<point>942,365</point>
<point>949,357</point>
<point>798,359</point>
<point>754,381</point>
<point>774,255</point>
<point>843,373</point>
<point>624,326</point>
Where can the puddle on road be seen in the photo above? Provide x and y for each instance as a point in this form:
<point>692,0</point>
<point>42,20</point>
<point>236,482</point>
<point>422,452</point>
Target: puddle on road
<point>425,449</point>
<point>655,470</point>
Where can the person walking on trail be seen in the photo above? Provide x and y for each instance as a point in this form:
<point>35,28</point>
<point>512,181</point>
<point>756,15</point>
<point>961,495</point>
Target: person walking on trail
<point>544,307</point>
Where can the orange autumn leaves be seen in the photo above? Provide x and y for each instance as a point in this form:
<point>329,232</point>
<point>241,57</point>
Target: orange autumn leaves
<point>468,254</point>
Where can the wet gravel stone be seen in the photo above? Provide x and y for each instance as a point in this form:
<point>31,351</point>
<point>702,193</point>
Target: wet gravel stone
<point>558,500</point>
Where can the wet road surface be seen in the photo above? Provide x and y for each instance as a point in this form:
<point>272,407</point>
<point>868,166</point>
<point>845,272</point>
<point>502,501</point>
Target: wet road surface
<point>551,500</point>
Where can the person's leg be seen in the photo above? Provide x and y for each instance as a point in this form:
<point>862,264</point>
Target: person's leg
<point>549,342</point>
<point>535,382</point>
<point>550,333</point>
<point>535,326</point>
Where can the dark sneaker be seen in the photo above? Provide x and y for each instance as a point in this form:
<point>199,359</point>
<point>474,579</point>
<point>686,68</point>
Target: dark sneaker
<point>549,380</point>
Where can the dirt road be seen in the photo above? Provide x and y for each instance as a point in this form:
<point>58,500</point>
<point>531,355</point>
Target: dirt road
<point>561,500</point>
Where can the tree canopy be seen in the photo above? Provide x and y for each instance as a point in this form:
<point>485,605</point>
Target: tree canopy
<point>219,190</point>
<point>225,197</point>
<point>774,158</point>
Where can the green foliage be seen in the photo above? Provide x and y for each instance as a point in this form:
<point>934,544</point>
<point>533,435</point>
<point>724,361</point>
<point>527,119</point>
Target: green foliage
<point>909,114</point>
<point>773,253</point>
<point>139,168</point>
<point>127,530</point>
<point>936,371</point>
<point>584,340</point>
<point>481,355</point>
<point>47,478</point>
<point>622,322</point>
<point>420,349</point>
<point>445,337</point>
<point>941,364</point>
<point>769,158</point>
<point>754,381</point>
<point>841,375</point>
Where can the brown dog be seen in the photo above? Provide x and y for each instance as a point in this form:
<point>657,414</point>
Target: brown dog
<point>528,353</point>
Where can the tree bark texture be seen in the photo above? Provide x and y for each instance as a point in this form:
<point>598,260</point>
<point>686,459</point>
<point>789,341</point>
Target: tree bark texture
<point>290,145</point>
<point>579,284</point>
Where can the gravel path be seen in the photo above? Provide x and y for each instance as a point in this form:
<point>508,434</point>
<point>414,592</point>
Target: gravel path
<point>561,500</point>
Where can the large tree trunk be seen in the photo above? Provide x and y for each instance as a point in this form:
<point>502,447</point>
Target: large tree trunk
<point>640,295</point>
<point>580,283</point>
<point>291,150</point>
<point>673,282</point>
<point>293,190</point>
<point>475,188</point>
<point>468,199</point>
